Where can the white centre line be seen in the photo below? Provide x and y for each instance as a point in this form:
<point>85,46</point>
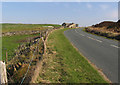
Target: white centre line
<point>98,40</point>
<point>76,31</point>
<point>82,34</point>
<point>79,33</point>
<point>90,38</point>
<point>94,39</point>
<point>115,46</point>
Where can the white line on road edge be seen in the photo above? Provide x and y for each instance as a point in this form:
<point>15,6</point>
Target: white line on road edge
<point>115,46</point>
<point>94,39</point>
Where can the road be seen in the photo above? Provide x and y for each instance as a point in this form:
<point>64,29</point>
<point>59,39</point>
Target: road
<point>100,51</point>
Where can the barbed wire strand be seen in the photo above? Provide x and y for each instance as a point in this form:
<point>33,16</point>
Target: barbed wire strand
<point>27,69</point>
<point>26,72</point>
<point>29,66</point>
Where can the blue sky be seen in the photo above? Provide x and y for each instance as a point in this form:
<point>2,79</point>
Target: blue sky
<point>83,13</point>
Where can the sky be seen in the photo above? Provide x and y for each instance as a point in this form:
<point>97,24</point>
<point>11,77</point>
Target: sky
<point>82,13</point>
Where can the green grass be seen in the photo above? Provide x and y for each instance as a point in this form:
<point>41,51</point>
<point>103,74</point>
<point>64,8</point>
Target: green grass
<point>67,65</point>
<point>10,43</point>
<point>23,27</point>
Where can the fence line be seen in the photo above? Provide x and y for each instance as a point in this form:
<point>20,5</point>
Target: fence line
<point>28,67</point>
<point>4,80</point>
<point>32,60</point>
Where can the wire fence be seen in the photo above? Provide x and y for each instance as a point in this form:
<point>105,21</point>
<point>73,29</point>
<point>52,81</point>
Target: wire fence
<point>43,38</point>
<point>35,50</point>
<point>27,71</point>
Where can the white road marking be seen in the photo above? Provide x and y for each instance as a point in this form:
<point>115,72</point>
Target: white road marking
<point>82,35</point>
<point>76,31</point>
<point>79,33</point>
<point>94,39</point>
<point>98,40</point>
<point>115,46</point>
<point>90,38</point>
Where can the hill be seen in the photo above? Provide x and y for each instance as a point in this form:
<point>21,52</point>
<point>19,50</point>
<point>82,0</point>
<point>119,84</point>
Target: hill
<point>109,25</point>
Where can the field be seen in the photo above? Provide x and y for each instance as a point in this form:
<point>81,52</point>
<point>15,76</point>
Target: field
<point>10,43</point>
<point>23,43</point>
<point>64,64</point>
<point>24,27</point>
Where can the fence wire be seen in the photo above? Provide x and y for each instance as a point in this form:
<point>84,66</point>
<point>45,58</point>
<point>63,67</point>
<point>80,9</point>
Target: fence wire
<point>29,66</point>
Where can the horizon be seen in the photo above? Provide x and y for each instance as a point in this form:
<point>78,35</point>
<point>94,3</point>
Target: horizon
<point>48,23</point>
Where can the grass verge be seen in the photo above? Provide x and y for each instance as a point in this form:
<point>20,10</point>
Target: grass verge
<point>64,64</point>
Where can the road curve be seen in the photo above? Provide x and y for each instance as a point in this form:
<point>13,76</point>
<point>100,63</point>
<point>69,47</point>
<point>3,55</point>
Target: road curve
<point>100,51</point>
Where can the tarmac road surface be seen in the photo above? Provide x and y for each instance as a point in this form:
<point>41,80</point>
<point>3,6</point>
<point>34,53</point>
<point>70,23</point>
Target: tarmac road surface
<point>100,51</point>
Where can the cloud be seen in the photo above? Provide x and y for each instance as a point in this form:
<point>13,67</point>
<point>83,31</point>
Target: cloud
<point>89,6</point>
<point>104,6</point>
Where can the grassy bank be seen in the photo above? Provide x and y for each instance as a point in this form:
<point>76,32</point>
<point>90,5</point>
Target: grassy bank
<point>64,64</point>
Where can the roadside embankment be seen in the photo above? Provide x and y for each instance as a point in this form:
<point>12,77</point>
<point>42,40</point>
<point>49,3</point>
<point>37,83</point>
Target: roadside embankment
<point>107,29</point>
<point>62,63</point>
<point>104,33</point>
